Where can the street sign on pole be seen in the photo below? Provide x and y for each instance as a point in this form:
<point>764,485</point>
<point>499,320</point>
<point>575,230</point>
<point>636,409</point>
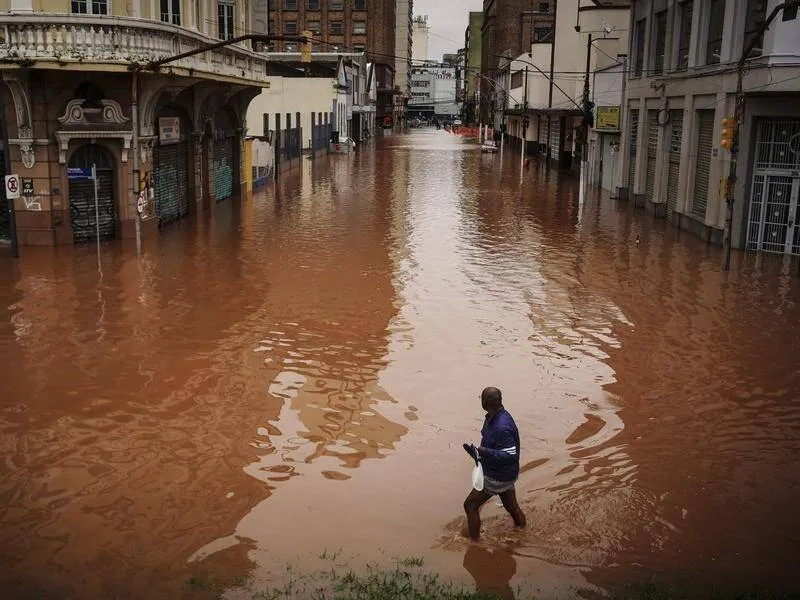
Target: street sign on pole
<point>12,187</point>
<point>78,173</point>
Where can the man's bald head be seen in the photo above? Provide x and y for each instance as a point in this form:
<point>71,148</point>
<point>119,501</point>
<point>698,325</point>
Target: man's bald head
<point>491,399</point>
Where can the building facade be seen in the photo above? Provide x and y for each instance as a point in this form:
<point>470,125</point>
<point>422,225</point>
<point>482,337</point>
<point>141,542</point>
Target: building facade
<point>541,91</point>
<point>347,26</point>
<point>472,67</point>
<point>434,92</point>
<point>420,35</point>
<point>80,93</point>
<point>403,46</point>
<point>681,85</point>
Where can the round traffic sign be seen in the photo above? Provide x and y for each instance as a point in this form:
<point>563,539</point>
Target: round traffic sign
<point>13,185</point>
<point>141,203</point>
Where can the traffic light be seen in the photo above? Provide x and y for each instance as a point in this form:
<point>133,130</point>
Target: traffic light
<point>305,47</point>
<point>728,133</point>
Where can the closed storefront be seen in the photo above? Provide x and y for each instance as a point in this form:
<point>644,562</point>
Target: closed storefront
<point>5,232</point>
<point>633,134</point>
<point>92,215</point>
<point>675,142</point>
<point>223,163</point>
<point>774,212</point>
<point>705,145</point>
<point>171,169</point>
<point>652,156</point>
<point>555,138</point>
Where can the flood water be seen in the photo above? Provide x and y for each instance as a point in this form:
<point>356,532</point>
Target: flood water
<point>292,379</point>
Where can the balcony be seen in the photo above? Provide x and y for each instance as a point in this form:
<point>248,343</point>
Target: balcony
<point>117,43</point>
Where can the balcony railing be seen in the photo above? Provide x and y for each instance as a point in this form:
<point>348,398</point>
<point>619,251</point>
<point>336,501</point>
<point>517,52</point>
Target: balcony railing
<point>123,41</point>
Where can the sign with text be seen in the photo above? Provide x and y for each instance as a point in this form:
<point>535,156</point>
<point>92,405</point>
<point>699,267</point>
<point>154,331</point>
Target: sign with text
<point>78,173</point>
<point>169,130</point>
<point>27,186</point>
<point>607,118</point>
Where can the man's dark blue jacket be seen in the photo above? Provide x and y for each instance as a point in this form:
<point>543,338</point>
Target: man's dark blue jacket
<point>500,443</point>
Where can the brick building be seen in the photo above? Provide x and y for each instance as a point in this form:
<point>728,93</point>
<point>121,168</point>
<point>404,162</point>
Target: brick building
<point>341,25</point>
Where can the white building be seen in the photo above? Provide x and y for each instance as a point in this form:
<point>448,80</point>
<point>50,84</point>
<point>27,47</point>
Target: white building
<point>546,85</point>
<point>420,38</point>
<point>681,85</point>
<point>433,92</point>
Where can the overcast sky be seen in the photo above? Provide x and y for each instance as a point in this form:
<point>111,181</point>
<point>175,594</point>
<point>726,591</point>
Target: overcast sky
<point>447,19</point>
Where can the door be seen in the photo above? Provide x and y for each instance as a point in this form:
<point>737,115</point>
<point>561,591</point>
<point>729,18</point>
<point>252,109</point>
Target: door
<point>171,171</point>
<point>774,214</point>
<point>673,179</point>
<point>652,149</point>
<point>608,166</point>
<point>705,145</point>
<point>555,138</point>
<point>633,135</point>
<point>82,208</point>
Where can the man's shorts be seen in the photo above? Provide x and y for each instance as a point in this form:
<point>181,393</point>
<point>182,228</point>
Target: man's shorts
<point>492,486</point>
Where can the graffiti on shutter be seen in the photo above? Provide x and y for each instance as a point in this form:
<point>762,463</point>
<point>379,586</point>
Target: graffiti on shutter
<point>82,209</point>
<point>705,144</point>
<point>633,134</point>
<point>675,142</point>
<point>652,147</point>
<point>171,182</point>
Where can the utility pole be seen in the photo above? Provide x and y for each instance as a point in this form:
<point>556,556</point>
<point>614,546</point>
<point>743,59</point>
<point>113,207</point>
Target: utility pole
<point>730,187</point>
<point>588,118</point>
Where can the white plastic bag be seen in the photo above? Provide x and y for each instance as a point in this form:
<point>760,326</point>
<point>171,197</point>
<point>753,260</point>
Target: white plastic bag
<point>477,477</point>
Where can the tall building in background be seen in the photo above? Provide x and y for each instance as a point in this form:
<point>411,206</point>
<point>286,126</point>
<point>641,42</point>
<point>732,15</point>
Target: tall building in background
<point>403,44</point>
<point>343,26</point>
<point>421,33</point>
<point>473,44</point>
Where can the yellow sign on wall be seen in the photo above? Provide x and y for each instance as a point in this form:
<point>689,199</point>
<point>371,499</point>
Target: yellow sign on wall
<point>607,118</point>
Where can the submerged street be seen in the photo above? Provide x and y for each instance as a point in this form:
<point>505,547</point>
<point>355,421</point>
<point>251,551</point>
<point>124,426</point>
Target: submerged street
<point>290,382</point>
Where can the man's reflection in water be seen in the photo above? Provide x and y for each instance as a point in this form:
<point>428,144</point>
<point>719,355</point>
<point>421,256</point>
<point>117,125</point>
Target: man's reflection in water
<point>492,570</point>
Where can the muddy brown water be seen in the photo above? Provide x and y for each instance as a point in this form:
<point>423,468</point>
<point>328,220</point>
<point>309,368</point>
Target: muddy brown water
<point>290,382</point>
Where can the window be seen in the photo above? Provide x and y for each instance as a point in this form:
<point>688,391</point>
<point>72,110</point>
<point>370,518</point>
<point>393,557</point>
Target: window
<point>658,39</point>
<point>716,18</point>
<point>359,27</point>
<point>543,34</point>
<point>171,11</point>
<point>225,19</point>
<point>638,48</point>
<point>290,27</point>
<point>336,27</point>
<point>314,27</point>
<point>289,4</point>
<point>544,7</point>
<point>685,33</point>
<point>359,48</point>
<point>336,5</point>
<point>313,4</point>
<point>91,7</point>
<point>756,15</point>
<point>516,79</point>
<point>789,13</point>
<point>359,4</point>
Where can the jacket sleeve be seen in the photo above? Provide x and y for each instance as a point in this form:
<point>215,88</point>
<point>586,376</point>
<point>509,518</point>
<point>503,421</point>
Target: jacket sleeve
<point>506,453</point>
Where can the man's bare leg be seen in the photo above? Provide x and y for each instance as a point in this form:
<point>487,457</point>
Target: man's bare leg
<point>472,506</point>
<point>509,500</point>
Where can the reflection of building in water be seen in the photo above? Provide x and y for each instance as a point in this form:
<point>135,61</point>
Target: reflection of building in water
<point>326,340</point>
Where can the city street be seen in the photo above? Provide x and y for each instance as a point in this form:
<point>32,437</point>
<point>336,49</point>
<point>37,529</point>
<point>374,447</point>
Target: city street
<point>289,381</point>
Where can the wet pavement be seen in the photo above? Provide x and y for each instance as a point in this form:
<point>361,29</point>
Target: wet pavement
<point>292,380</point>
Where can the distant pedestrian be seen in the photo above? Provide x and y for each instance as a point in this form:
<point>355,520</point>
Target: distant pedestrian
<point>499,456</point>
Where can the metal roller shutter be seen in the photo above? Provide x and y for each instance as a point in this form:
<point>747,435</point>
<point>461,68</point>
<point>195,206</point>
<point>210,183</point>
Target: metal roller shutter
<point>675,142</point>
<point>5,230</point>
<point>633,134</point>
<point>555,138</point>
<point>652,149</point>
<point>82,198</point>
<point>171,182</point>
<point>223,168</point>
<point>705,145</point>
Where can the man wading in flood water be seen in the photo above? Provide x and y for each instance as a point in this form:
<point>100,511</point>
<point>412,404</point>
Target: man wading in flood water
<point>499,455</point>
